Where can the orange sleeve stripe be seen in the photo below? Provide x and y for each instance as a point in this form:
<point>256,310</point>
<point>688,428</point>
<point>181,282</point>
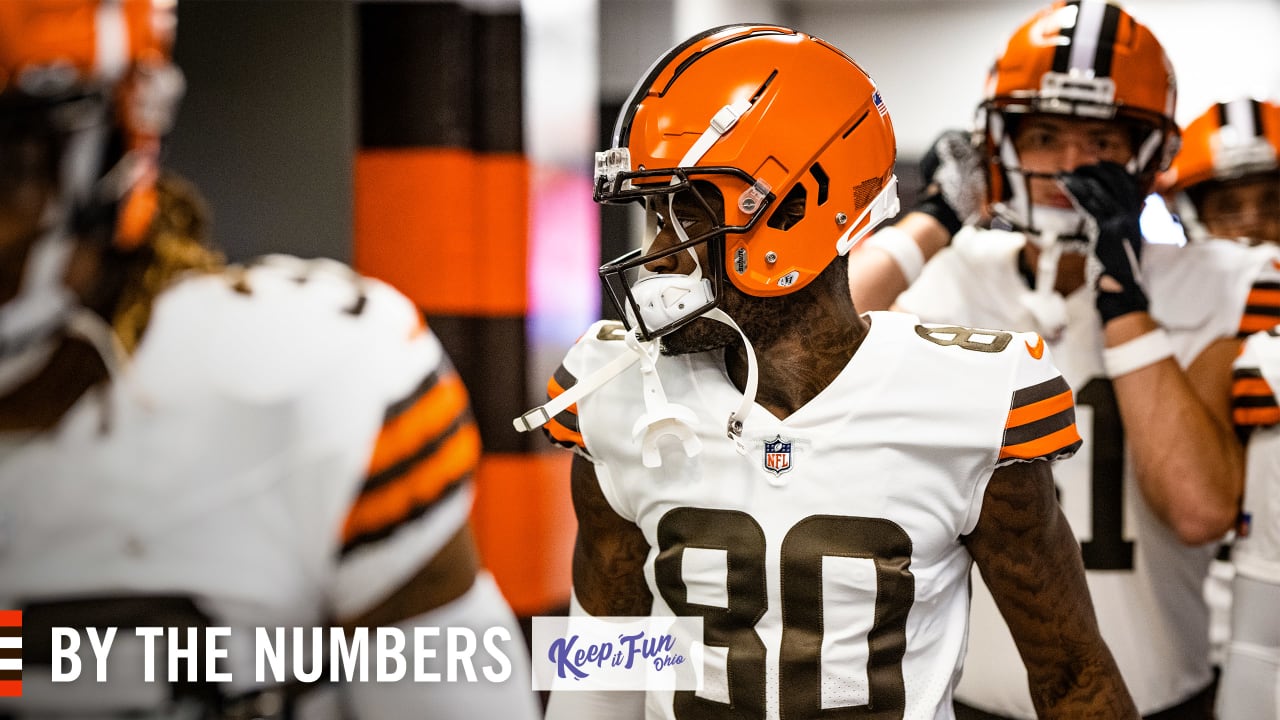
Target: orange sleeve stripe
<point>1043,446</point>
<point>1039,410</point>
<point>1251,387</point>
<point>426,419</point>
<point>554,390</point>
<point>1256,416</point>
<point>1264,296</point>
<point>560,433</point>
<point>1251,323</point>
<point>391,503</point>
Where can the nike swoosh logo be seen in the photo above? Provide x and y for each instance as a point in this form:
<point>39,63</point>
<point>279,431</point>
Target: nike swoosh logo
<point>1037,350</point>
<point>1275,264</point>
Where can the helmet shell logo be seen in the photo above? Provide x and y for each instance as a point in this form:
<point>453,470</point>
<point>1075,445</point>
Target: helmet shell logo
<point>740,261</point>
<point>777,455</point>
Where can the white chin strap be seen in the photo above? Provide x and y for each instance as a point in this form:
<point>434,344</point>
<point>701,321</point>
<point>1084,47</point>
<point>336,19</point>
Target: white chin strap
<point>31,321</point>
<point>662,418</point>
<point>1053,223</point>
<point>1048,308</point>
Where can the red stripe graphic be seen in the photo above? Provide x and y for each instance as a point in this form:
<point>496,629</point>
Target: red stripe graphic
<point>11,619</point>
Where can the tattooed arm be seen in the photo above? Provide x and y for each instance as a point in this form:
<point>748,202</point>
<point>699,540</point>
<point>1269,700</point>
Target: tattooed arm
<point>608,579</point>
<point>1031,562</point>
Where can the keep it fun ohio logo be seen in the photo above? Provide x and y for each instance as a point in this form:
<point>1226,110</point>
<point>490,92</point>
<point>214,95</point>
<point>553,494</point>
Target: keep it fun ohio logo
<point>10,653</point>
<point>617,653</point>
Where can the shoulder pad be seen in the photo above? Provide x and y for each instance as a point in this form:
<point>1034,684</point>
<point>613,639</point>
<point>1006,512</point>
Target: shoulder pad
<point>263,331</point>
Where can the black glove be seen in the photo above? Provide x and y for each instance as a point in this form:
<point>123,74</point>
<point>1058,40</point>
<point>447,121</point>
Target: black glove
<point>1112,202</point>
<point>955,185</point>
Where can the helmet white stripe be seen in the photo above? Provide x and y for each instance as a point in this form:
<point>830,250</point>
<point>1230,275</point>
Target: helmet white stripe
<point>1240,117</point>
<point>112,42</point>
<point>1087,35</point>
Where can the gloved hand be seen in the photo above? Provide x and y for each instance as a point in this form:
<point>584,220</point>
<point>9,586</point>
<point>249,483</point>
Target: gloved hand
<point>1111,201</point>
<point>955,183</point>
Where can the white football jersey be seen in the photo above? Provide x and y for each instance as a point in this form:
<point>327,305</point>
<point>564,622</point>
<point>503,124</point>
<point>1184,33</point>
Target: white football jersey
<point>824,557</point>
<point>287,446</point>
<point>1147,587</point>
<point>1250,687</point>
<point>1257,372</point>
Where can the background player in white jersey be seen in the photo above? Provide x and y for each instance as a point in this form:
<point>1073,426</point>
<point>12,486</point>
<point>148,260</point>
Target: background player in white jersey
<point>1250,686</point>
<point>813,483</point>
<point>186,445</point>
<point>1225,183</point>
<point>1227,172</point>
<point>1077,122</point>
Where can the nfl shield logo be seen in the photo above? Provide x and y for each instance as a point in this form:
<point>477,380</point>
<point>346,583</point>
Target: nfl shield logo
<point>777,455</point>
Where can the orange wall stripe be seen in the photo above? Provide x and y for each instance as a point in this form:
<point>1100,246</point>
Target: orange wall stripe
<point>525,527</point>
<point>446,226</point>
<point>502,224</point>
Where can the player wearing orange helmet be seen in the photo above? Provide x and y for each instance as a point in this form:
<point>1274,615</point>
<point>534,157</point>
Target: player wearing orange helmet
<point>187,445</point>
<point>1075,127</point>
<point>1229,171</point>
<point>810,482</point>
<point>1228,184</point>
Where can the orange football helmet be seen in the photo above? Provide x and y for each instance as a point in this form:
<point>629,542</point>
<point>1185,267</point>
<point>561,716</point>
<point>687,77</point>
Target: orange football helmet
<point>1081,58</point>
<point>762,113</point>
<point>96,76</point>
<point>1227,141</point>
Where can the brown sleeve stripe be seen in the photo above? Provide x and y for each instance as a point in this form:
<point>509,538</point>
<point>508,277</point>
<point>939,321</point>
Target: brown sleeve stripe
<point>1253,401</point>
<point>400,406</point>
<point>1029,432</point>
<point>1042,391</point>
<point>425,421</point>
<point>1262,308</point>
<point>389,501</point>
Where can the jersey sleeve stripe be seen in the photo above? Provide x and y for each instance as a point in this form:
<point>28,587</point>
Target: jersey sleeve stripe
<point>1251,323</point>
<point>1262,308</point>
<point>400,406</point>
<point>1049,446</point>
<point>436,410</point>
<point>1029,432</point>
<point>1039,392</point>
<point>396,500</point>
<point>1041,422</point>
<point>1255,416</point>
<point>562,435</point>
<point>1253,401</point>
<point>1039,410</point>
<point>563,429</point>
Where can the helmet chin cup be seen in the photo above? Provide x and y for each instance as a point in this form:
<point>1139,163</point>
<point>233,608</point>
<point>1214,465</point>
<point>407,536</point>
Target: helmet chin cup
<point>668,301</point>
<point>1050,223</point>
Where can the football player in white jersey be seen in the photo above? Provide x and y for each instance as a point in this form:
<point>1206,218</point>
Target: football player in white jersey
<point>1227,172</point>
<point>185,445</point>
<point>1225,181</point>
<point>1250,686</point>
<point>814,484</point>
<point>1077,122</point>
